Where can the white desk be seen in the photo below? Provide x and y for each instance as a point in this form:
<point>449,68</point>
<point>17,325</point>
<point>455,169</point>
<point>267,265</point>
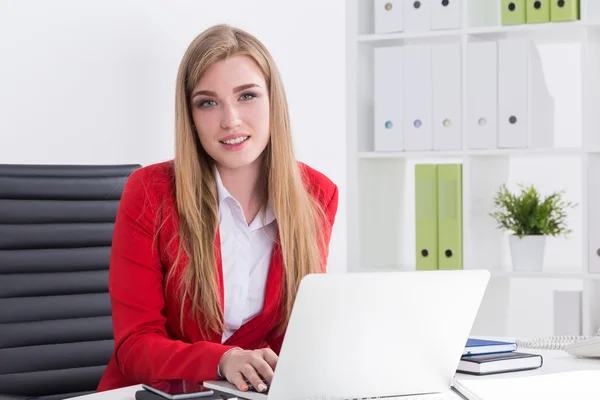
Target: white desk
<point>554,361</point>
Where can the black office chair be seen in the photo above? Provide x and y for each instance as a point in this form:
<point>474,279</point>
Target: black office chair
<point>56,226</point>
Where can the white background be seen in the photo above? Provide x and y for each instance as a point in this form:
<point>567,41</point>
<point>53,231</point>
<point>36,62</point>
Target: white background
<point>93,82</point>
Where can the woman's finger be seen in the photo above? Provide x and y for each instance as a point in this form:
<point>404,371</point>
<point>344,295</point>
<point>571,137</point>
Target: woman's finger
<point>263,368</point>
<point>270,357</point>
<point>252,377</point>
<point>238,380</point>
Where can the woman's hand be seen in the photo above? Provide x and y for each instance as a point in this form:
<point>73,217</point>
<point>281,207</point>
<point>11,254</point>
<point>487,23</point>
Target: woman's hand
<point>256,367</point>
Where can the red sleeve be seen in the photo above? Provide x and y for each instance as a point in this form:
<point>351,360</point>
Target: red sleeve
<point>143,350</point>
<point>330,213</point>
<point>275,340</point>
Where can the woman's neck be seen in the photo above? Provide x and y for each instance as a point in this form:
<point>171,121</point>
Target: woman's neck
<point>246,186</point>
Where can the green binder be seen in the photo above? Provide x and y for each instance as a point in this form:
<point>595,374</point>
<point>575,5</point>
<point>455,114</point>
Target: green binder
<point>538,11</point>
<point>564,10</point>
<point>426,222</point>
<point>513,12</point>
<point>450,216</point>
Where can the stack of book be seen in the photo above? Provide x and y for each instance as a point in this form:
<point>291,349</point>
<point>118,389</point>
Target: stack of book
<point>484,357</point>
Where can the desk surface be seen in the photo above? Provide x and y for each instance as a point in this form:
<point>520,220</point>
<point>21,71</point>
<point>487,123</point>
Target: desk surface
<point>554,361</point>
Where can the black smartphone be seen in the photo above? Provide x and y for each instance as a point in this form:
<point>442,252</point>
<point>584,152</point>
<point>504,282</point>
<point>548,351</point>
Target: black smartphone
<point>178,389</point>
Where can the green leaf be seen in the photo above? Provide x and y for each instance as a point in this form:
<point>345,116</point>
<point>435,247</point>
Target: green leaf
<point>526,213</point>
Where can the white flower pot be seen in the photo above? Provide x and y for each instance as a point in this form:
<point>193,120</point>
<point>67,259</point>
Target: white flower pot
<point>527,253</point>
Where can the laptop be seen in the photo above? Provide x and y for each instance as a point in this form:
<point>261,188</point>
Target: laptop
<point>372,335</point>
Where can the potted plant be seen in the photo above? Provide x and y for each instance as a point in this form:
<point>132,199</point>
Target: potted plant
<point>530,219</point>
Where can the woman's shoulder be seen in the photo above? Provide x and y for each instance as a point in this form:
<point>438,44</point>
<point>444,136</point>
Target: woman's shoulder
<point>318,184</point>
<point>160,171</point>
<point>153,179</point>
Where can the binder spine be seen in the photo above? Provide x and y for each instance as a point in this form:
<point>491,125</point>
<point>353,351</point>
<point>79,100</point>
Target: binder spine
<point>450,226</point>
<point>426,218</point>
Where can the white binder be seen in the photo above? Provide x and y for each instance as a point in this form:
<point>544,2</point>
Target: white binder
<point>591,10</point>
<point>482,94</point>
<point>418,93</point>
<point>594,213</point>
<point>417,15</point>
<point>389,16</point>
<point>541,103</point>
<point>567,313</point>
<point>446,78</point>
<point>388,101</point>
<point>513,98</point>
<point>445,14</point>
<point>526,107</point>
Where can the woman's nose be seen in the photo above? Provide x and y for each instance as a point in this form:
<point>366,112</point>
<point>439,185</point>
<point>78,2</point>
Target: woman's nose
<point>231,118</point>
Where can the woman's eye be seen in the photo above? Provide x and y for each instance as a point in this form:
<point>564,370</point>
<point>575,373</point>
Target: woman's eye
<point>248,96</point>
<point>205,103</point>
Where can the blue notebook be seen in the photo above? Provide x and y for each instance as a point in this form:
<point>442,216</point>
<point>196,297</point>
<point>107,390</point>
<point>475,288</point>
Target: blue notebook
<point>480,346</point>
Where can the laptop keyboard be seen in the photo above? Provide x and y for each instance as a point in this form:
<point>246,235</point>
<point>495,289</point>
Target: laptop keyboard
<point>252,389</point>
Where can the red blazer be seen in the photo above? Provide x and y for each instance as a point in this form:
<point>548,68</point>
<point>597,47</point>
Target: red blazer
<point>149,344</point>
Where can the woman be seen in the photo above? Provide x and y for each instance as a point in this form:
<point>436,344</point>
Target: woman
<point>209,249</point>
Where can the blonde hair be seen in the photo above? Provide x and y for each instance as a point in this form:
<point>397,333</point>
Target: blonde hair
<point>299,217</point>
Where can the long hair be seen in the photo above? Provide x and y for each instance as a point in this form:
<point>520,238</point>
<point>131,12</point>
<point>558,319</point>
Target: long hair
<point>299,217</point>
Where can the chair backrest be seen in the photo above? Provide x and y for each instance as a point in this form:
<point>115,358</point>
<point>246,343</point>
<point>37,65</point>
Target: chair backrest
<point>56,226</point>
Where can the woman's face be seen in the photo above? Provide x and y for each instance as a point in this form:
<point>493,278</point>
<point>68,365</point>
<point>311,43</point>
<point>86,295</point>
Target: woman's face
<point>230,109</point>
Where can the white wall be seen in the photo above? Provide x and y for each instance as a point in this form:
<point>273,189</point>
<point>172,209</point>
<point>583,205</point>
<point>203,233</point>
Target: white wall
<point>93,81</point>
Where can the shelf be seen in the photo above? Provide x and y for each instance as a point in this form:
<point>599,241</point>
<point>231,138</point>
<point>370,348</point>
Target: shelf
<point>558,27</point>
<point>567,151</point>
<point>388,268</point>
<point>483,152</point>
<point>540,27</point>
<point>544,275</point>
<point>550,274</point>
<point>410,154</point>
<point>374,37</point>
<point>562,85</point>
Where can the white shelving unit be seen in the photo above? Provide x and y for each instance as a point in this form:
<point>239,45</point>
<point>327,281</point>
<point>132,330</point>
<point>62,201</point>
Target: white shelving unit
<point>380,204</point>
